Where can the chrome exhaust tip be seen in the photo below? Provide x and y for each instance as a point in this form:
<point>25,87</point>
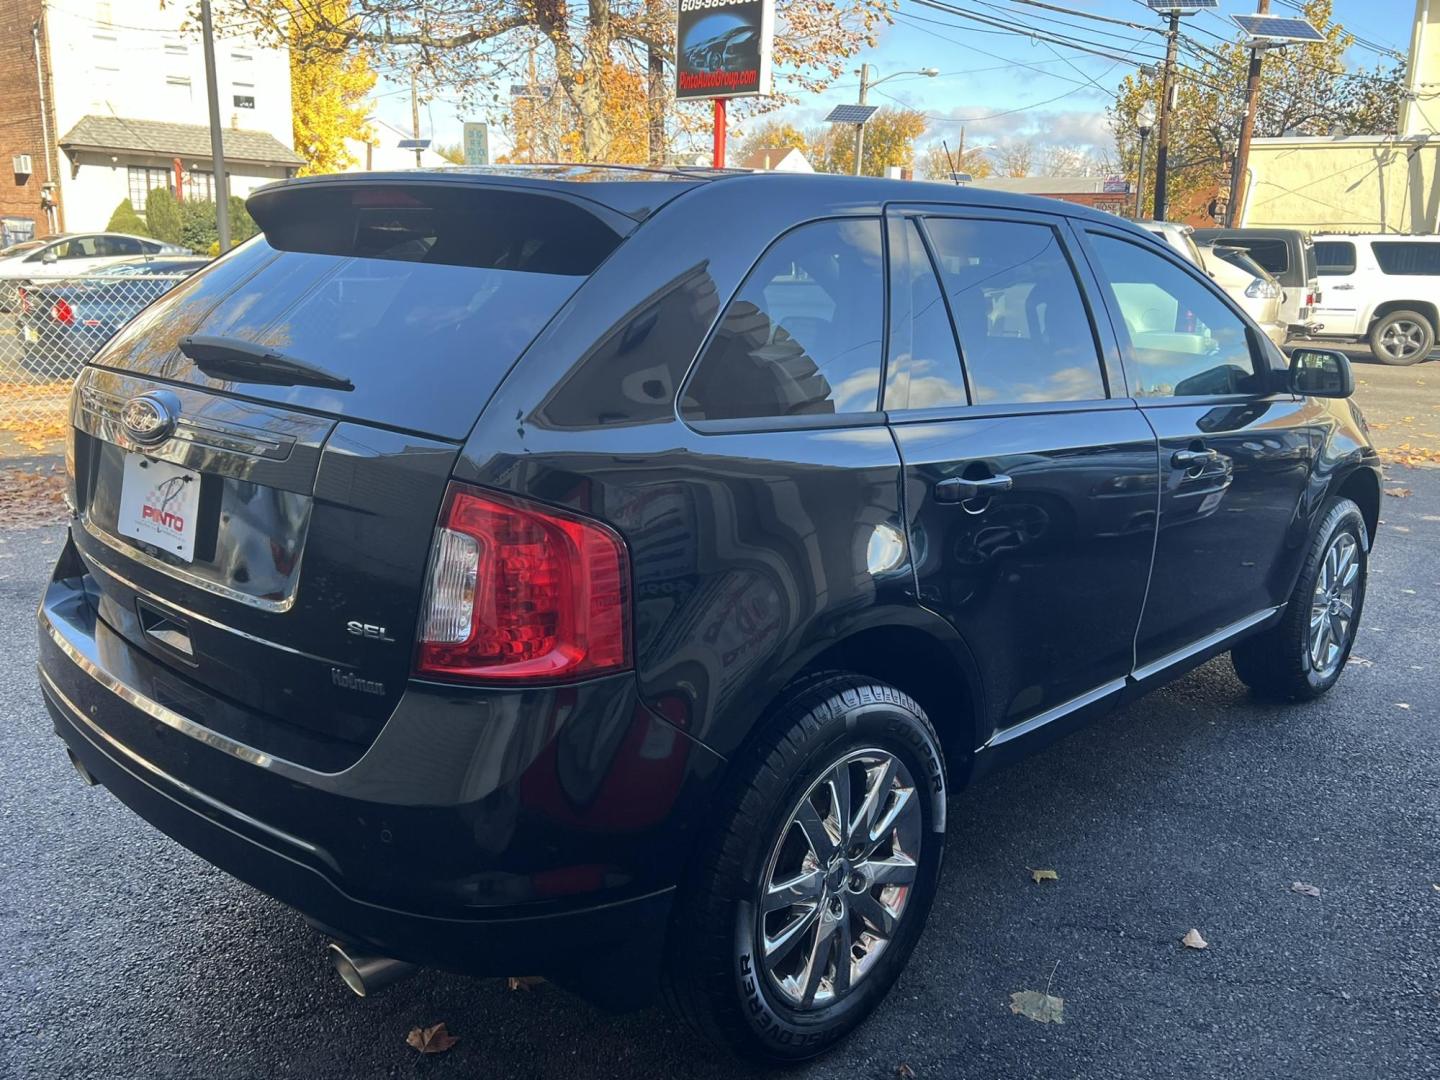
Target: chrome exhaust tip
<point>86,776</point>
<point>365,974</point>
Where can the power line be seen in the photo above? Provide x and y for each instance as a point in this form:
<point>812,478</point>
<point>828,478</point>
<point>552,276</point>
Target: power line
<point>1097,48</point>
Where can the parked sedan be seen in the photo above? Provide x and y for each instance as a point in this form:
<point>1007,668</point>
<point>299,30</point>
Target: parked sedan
<point>62,325</point>
<point>1250,285</point>
<point>72,254</point>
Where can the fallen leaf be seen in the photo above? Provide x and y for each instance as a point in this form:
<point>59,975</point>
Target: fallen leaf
<point>1435,887</point>
<point>523,982</point>
<point>904,1072</point>
<point>1044,875</point>
<point>1303,889</point>
<point>1402,705</point>
<point>1360,661</point>
<point>1042,1008</point>
<point>431,1040</point>
<point>1193,940</point>
<point>1399,493</point>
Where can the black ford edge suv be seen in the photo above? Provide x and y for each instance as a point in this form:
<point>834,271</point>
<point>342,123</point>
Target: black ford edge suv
<point>607,574</point>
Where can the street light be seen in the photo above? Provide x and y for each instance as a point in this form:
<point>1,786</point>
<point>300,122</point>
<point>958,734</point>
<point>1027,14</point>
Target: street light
<point>1145,123</point>
<point>865,85</point>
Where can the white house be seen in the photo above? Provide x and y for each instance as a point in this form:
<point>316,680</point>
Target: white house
<point>129,113</point>
<point>778,159</point>
<point>382,153</point>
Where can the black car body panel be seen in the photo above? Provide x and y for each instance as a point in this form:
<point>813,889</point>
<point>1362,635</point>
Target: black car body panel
<point>505,828</point>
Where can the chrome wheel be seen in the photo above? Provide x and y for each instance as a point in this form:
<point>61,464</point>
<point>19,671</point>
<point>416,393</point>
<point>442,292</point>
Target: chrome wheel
<point>839,878</point>
<point>1332,608</point>
<point>1403,339</point>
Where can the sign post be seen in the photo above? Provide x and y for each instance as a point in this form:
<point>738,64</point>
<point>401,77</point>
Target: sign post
<point>723,50</point>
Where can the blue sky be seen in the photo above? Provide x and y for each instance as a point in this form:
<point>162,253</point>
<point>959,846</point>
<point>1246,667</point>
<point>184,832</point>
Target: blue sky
<point>999,85</point>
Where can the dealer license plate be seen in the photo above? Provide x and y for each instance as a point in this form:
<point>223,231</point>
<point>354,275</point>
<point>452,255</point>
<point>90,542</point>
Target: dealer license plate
<point>159,504</point>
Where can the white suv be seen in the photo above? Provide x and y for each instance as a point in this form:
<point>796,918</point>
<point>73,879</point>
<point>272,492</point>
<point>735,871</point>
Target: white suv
<point>1384,288</point>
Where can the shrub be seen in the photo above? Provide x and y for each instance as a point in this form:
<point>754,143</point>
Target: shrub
<point>126,220</point>
<point>162,215</point>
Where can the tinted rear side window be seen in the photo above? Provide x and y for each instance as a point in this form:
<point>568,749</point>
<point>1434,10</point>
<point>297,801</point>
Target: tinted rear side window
<point>422,302</point>
<point>923,371</point>
<point>1335,256</point>
<point>1407,258</point>
<point>1024,332</point>
<point>802,336</point>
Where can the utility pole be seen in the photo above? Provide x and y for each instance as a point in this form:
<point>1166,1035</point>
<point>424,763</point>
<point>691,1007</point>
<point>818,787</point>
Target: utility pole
<point>415,118</point>
<point>1247,128</point>
<point>217,137</point>
<point>860,128</point>
<point>1167,89</point>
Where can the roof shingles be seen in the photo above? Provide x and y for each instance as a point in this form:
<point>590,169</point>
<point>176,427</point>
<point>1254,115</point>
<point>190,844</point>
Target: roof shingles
<point>242,146</point>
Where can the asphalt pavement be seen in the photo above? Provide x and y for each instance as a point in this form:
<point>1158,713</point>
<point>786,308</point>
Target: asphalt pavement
<point>122,955</point>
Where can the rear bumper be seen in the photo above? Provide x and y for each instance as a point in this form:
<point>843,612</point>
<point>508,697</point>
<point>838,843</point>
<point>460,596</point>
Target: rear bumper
<point>489,838</point>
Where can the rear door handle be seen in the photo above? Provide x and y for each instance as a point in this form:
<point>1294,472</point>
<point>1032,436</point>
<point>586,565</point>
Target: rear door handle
<point>1340,288</point>
<point>1193,459</point>
<point>958,489</point>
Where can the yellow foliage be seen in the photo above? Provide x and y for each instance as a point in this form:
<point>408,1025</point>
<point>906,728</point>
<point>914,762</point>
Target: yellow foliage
<point>330,84</point>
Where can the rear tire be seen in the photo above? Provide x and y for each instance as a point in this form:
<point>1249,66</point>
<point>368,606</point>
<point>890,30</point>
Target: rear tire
<point>1402,338</point>
<point>1302,656</point>
<point>729,972</point>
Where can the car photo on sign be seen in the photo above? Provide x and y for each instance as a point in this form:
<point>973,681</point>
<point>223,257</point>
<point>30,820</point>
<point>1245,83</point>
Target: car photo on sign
<point>724,48</point>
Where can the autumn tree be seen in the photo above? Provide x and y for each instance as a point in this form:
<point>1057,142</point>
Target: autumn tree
<point>1013,157</point>
<point>770,135</point>
<point>935,163</point>
<point>890,137</point>
<point>469,48</point>
<point>330,84</point>
<point>1304,90</point>
<point>454,153</point>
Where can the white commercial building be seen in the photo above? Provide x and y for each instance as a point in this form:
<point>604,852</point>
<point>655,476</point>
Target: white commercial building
<point>128,107</point>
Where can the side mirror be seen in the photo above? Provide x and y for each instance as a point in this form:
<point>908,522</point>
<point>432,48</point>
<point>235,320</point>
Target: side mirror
<point>49,256</point>
<point>1321,373</point>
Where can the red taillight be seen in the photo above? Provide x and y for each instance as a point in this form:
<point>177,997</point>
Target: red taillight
<point>62,312</point>
<point>520,591</point>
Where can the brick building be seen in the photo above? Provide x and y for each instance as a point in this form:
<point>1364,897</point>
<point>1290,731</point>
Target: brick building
<point>28,158</point>
<point>1112,195</point>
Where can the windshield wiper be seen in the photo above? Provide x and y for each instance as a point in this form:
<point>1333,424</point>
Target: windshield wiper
<point>231,358</point>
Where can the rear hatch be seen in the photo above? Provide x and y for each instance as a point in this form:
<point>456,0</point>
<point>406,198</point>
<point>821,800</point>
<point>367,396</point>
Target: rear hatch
<point>261,455</point>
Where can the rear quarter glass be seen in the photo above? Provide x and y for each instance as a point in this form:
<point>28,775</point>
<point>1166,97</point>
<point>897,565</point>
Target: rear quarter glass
<point>423,306</point>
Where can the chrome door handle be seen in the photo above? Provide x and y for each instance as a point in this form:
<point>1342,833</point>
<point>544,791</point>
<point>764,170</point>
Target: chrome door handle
<point>1193,459</point>
<point>1340,288</point>
<point>958,489</point>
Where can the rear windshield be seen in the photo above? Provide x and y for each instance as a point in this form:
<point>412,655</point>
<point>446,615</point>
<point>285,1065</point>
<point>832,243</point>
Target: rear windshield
<point>422,299</point>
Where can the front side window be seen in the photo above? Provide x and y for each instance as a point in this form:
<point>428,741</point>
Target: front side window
<point>1407,258</point>
<point>802,336</point>
<point>1179,339</point>
<point>1335,257</point>
<point>1025,335</point>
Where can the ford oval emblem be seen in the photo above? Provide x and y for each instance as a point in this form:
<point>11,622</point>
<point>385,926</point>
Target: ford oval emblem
<point>150,418</point>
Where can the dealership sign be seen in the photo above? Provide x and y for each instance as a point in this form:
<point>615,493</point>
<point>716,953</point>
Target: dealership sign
<point>723,48</point>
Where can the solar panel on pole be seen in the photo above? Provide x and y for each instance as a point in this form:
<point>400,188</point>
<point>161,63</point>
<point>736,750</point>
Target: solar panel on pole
<point>1277,28</point>
<point>1181,5</point>
<point>851,114</point>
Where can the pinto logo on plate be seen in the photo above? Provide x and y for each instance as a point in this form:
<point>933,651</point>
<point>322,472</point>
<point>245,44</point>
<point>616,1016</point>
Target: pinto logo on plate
<point>158,504</point>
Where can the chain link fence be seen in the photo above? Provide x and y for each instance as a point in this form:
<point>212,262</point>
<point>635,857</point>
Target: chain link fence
<point>48,329</point>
